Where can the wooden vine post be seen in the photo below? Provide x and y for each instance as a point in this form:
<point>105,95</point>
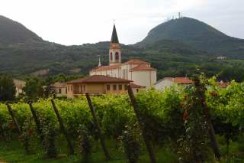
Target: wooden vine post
<point>142,125</point>
<point>98,127</point>
<point>62,128</point>
<point>38,124</point>
<point>201,91</point>
<point>2,132</point>
<point>14,119</point>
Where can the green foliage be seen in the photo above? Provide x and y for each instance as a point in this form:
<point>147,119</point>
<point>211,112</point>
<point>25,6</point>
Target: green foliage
<point>13,32</point>
<point>161,113</point>
<point>85,144</point>
<point>131,143</point>
<point>115,113</point>
<point>195,34</point>
<point>26,135</point>
<point>173,117</point>
<point>33,88</point>
<point>193,144</point>
<point>175,48</point>
<point>7,88</point>
<point>227,103</point>
<point>49,127</point>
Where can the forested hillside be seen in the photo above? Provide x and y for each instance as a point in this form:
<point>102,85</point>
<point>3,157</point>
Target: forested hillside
<point>197,35</point>
<point>176,48</point>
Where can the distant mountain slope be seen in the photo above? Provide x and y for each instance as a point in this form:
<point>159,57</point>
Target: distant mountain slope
<point>13,32</point>
<point>196,34</point>
<point>174,48</point>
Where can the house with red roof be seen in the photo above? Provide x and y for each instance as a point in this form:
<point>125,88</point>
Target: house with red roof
<point>136,70</point>
<point>169,81</point>
<point>99,84</point>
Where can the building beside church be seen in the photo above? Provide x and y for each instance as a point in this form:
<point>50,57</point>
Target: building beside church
<point>60,89</point>
<point>114,78</point>
<point>169,81</point>
<point>136,70</point>
<point>97,85</point>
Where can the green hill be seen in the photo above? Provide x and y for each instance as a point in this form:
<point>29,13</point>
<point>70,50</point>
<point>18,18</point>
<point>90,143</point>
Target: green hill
<point>172,47</point>
<point>196,34</point>
<point>12,32</point>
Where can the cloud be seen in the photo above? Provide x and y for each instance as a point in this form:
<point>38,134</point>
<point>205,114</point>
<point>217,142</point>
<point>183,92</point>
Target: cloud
<point>88,21</point>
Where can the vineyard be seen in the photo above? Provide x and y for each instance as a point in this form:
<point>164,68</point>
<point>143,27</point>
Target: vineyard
<point>194,124</point>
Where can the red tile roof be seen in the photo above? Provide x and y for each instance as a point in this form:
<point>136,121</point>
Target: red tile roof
<point>102,68</point>
<point>182,80</point>
<point>99,79</point>
<point>179,80</point>
<point>143,67</point>
<point>59,85</point>
<point>133,85</point>
<point>135,61</point>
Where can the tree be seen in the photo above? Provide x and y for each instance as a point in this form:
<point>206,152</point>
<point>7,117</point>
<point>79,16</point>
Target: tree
<point>7,88</point>
<point>33,88</point>
<point>48,89</point>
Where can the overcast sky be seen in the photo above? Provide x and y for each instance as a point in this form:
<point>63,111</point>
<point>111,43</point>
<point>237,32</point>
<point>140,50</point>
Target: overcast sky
<point>74,22</point>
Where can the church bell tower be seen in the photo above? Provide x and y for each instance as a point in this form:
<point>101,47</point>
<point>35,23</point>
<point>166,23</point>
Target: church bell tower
<point>114,49</point>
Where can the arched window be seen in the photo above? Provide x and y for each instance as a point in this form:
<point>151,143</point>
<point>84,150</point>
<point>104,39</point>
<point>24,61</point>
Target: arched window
<point>111,56</point>
<point>116,56</point>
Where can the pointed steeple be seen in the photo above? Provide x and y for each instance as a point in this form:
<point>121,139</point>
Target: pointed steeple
<point>114,49</point>
<point>114,38</point>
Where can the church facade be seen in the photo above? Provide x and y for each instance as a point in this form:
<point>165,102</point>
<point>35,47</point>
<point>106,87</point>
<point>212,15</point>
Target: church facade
<point>136,70</point>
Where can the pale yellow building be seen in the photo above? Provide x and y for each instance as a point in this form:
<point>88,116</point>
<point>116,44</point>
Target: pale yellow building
<point>169,81</point>
<point>19,85</point>
<point>99,84</point>
<point>136,70</point>
<point>60,89</point>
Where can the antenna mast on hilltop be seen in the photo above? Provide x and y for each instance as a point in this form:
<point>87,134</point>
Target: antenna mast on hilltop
<point>179,15</point>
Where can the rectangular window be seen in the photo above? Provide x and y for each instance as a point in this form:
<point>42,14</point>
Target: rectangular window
<point>114,87</point>
<point>126,87</point>
<point>108,87</point>
<point>80,88</point>
<point>120,87</point>
<point>123,74</point>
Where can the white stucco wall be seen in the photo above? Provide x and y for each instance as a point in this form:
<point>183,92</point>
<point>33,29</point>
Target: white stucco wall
<point>144,78</point>
<point>62,93</point>
<point>163,84</point>
<point>113,73</point>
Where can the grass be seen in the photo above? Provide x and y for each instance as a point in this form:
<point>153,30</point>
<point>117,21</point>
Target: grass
<point>13,151</point>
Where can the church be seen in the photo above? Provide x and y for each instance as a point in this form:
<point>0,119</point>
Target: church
<point>114,78</point>
<point>136,70</point>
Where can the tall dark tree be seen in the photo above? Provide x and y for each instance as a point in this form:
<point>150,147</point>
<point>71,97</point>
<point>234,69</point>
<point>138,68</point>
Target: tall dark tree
<point>33,88</point>
<point>48,89</point>
<point>7,88</point>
